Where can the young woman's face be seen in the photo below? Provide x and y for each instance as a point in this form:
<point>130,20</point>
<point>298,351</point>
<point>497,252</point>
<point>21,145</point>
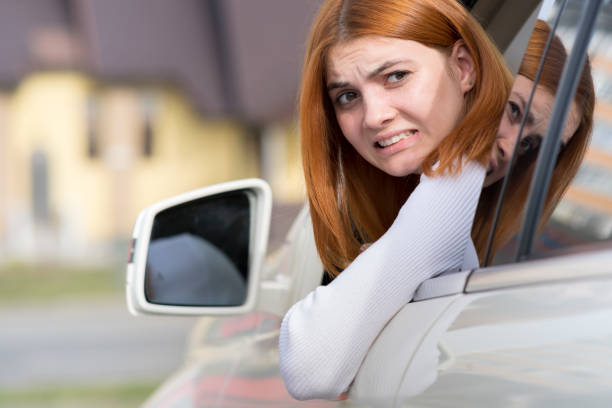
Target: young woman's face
<point>534,130</point>
<point>395,100</point>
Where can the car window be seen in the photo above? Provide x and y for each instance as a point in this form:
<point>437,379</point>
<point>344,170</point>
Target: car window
<point>580,213</point>
<point>584,215</point>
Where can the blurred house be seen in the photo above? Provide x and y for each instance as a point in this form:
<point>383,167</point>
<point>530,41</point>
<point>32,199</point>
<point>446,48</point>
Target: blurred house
<point>107,106</point>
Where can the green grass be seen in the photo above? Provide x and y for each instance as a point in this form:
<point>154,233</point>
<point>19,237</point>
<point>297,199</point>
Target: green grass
<point>102,396</point>
<point>32,282</point>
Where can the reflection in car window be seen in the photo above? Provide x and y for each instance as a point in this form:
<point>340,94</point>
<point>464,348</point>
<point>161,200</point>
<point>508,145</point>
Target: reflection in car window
<point>574,137</point>
<point>584,215</point>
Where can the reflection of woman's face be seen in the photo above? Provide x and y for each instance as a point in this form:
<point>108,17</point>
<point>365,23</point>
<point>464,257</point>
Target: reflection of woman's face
<point>395,100</point>
<point>535,126</point>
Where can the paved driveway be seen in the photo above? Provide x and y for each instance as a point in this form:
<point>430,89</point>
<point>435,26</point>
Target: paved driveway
<point>86,342</point>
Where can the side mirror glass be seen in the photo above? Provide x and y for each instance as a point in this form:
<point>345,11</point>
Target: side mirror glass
<point>200,252</point>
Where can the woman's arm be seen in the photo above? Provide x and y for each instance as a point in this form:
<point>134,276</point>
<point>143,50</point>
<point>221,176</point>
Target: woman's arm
<point>325,336</point>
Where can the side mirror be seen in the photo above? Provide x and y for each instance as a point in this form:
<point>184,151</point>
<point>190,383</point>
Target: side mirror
<point>201,252</point>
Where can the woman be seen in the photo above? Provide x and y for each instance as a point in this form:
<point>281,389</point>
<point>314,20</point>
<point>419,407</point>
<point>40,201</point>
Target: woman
<point>390,89</point>
<point>328,156</point>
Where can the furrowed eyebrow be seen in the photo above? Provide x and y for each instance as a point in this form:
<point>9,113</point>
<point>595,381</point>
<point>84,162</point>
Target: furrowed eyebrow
<point>383,67</point>
<point>335,85</point>
<point>388,64</point>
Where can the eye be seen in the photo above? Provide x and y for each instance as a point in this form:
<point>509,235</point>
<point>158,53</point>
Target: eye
<point>345,98</point>
<point>396,76</point>
<point>514,110</point>
<point>529,144</point>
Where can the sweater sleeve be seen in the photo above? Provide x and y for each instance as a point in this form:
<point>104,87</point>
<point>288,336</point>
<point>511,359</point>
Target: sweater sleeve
<point>325,336</point>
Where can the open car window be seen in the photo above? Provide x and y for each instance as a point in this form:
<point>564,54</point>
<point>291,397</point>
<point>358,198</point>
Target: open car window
<point>544,212</point>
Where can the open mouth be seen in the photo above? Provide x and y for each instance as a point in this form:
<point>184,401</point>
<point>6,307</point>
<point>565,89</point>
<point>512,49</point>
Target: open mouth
<point>381,144</point>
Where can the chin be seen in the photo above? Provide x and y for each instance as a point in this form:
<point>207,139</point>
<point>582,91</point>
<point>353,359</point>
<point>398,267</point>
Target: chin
<point>405,166</point>
<point>491,179</point>
<point>402,171</point>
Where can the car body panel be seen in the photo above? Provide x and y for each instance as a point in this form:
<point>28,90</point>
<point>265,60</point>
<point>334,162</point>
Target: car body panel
<point>234,363</point>
<point>555,304</point>
<point>532,346</point>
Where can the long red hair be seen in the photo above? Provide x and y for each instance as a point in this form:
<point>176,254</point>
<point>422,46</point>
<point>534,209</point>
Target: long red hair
<point>569,159</point>
<point>351,201</point>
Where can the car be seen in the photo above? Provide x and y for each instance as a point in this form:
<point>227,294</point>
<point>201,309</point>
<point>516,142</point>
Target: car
<point>531,328</point>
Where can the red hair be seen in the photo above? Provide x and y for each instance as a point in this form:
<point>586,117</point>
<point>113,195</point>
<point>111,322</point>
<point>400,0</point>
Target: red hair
<point>343,189</point>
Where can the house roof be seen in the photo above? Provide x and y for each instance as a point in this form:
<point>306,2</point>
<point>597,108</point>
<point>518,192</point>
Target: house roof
<point>238,58</point>
<point>233,57</point>
<point>20,22</point>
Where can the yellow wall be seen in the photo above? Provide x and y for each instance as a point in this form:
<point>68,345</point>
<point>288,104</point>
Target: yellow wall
<point>47,114</point>
<point>4,167</point>
<point>284,165</point>
<point>97,199</point>
<point>190,153</point>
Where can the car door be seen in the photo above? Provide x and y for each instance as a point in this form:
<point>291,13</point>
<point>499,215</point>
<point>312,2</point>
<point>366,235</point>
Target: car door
<point>533,326</point>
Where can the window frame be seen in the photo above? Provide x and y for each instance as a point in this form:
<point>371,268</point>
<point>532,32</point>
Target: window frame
<point>545,162</point>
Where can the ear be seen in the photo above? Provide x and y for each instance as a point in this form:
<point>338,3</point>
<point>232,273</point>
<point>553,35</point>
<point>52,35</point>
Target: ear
<point>463,66</point>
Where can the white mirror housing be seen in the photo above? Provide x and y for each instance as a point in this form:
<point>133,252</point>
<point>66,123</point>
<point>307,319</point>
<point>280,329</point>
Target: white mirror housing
<point>260,204</point>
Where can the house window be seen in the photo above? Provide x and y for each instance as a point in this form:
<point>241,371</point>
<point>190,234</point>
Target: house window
<point>40,186</point>
<point>148,108</point>
<point>93,137</point>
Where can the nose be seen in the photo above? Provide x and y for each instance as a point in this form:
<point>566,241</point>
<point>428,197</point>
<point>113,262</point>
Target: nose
<point>378,111</point>
<point>507,136</point>
<point>502,153</point>
<point>504,149</point>
<point>500,157</point>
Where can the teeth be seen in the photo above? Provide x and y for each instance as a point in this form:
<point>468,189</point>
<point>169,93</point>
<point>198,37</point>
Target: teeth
<point>394,139</point>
